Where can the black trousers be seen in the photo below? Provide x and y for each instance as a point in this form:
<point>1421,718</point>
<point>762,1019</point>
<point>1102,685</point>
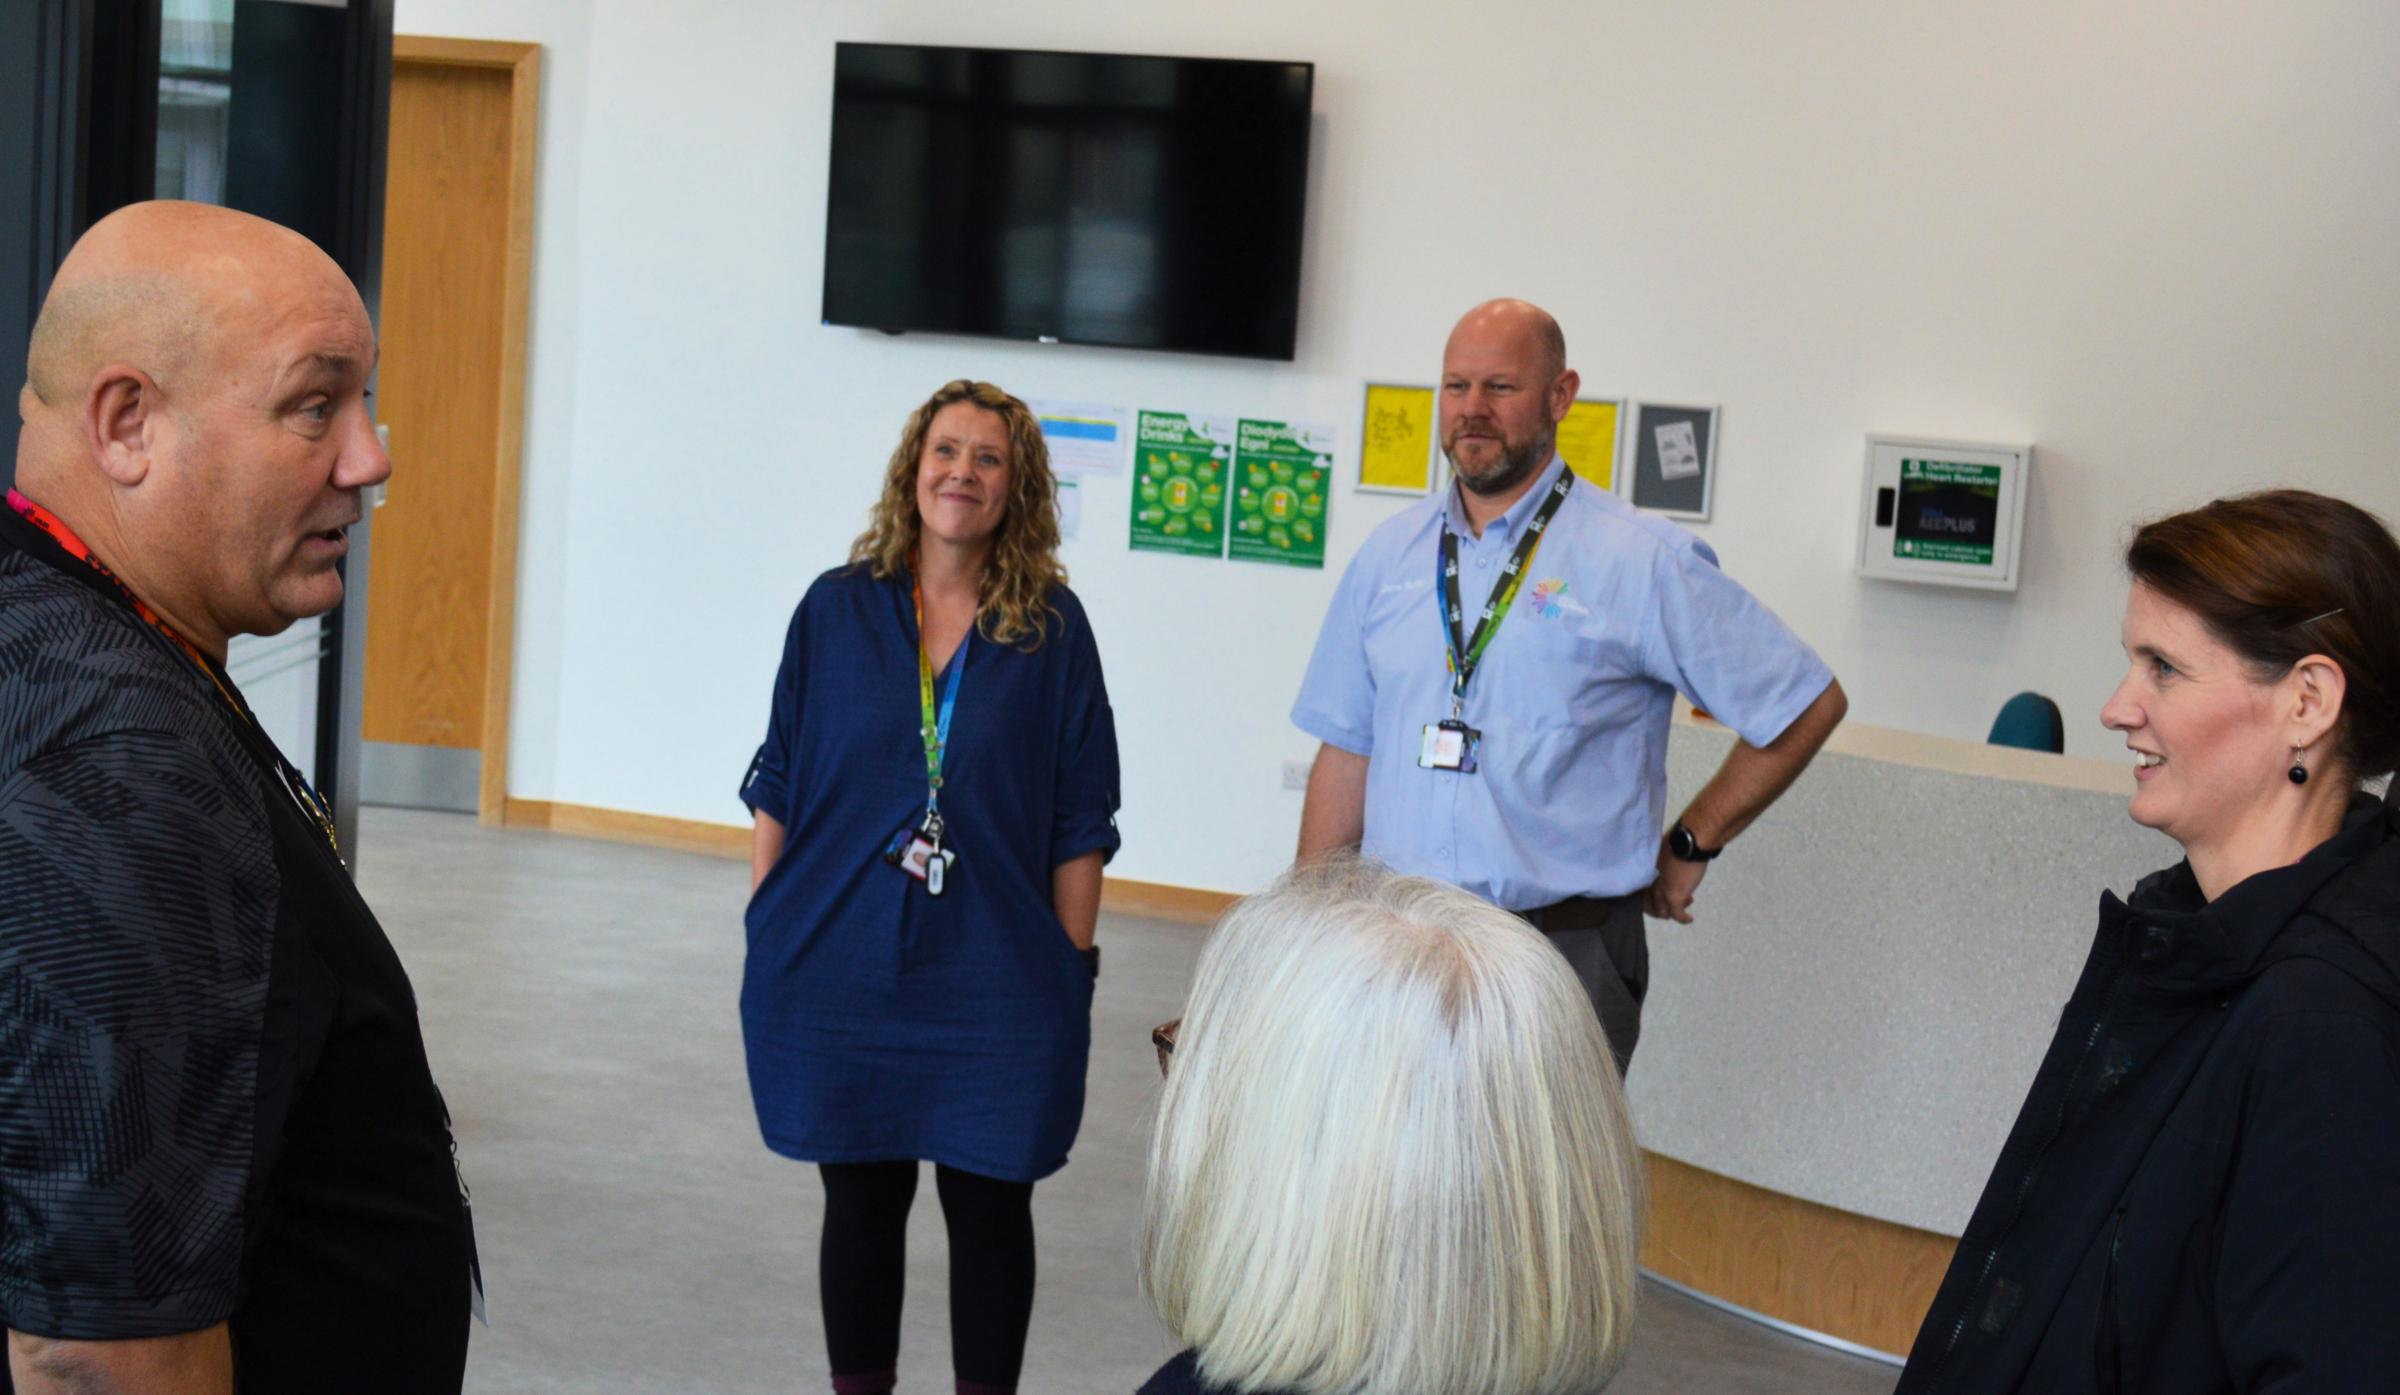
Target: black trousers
<point>1609,948</point>
<point>862,1268</point>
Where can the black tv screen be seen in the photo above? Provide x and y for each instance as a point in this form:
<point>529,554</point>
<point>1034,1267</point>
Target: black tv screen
<point>1085,198</point>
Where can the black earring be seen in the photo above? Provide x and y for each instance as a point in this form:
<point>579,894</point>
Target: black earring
<point>2298,772</point>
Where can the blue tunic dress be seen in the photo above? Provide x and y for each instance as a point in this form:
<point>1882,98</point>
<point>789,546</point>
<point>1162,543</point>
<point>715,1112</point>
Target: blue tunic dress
<point>882,1022</point>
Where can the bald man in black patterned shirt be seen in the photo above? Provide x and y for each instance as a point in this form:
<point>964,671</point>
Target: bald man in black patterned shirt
<point>223,1161</point>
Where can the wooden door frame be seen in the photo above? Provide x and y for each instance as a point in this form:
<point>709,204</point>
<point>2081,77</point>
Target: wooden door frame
<point>523,64</point>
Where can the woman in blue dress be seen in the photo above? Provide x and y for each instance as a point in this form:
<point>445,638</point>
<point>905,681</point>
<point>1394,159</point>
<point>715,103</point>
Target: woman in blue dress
<point>933,802</point>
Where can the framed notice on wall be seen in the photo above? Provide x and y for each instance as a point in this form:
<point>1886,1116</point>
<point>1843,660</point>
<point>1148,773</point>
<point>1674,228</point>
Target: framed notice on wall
<point>1395,440</point>
<point>1588,439</point>
<point>1672,466</point>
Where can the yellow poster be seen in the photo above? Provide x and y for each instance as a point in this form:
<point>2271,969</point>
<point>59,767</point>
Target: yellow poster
<point>1395,450</point>
<point>1588,439</point>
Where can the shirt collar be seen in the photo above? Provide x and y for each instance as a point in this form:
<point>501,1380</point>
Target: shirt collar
<point>1510,523</point>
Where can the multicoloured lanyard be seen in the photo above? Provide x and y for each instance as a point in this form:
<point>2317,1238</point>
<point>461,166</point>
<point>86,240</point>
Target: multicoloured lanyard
<point>1461,651</point>
<point>311,803</point>
<point>936,722</point>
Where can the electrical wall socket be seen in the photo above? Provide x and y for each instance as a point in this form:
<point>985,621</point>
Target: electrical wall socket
<point>1295,774</point>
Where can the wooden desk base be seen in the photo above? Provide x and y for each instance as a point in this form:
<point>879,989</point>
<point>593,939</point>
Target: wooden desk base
<point>1845,1275</point>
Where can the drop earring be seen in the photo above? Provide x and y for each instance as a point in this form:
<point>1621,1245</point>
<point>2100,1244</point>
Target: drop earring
<point>2298,772</point>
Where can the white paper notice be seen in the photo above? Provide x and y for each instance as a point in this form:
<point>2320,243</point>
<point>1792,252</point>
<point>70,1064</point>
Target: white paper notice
<point>1070,510</point>
<point>1085,438</point>
<point>1678,451</point>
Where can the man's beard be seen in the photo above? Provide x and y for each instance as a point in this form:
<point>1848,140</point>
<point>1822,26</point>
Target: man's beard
<point>1517,465</point>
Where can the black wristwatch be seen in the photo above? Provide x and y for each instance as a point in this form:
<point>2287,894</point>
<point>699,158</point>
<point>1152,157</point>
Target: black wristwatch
<point>1686,848</point>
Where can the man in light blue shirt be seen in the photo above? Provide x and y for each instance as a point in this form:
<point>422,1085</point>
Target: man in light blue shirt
<point>1511,739</point>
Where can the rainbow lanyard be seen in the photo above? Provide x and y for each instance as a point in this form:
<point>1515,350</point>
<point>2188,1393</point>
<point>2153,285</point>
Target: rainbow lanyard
<point>935,726</point>
<point>311,803</point>
<point>1464,652</point>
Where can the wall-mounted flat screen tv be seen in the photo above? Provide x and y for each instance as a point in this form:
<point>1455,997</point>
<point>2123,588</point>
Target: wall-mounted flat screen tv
<point>1083,198</point>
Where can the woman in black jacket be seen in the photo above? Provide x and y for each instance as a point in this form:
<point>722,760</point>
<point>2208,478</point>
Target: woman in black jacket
<point>2202,1192</point>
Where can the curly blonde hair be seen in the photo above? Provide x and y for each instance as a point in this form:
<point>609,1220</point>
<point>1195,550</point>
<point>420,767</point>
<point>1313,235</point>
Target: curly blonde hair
<point>1015,596</point>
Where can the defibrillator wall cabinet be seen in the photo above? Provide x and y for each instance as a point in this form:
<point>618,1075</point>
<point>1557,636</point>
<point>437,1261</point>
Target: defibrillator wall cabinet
<point>1945,513</point>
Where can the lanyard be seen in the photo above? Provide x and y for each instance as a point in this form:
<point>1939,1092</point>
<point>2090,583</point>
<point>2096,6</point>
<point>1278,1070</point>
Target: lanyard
<point>311,803</point>
<point>936,724</point>
<point>1464,652</point>
<point>64,536</point>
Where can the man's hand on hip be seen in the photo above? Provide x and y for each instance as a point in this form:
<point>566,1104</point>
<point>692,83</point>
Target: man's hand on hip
<point>1670,897</point>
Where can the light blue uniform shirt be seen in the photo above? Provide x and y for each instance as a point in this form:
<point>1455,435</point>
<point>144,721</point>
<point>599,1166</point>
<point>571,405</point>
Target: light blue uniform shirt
<point>1618,612</point>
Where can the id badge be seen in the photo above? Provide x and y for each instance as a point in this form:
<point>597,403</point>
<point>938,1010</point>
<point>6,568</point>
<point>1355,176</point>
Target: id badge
<point>1449,745</point>
<point>924,859</point>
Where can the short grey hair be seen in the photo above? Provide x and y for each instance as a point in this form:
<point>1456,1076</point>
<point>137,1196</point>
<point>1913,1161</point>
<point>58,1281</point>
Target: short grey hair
<point>1393,1152</point>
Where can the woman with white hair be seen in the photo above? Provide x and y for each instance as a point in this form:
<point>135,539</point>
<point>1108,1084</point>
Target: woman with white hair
<point>1393,1154</point>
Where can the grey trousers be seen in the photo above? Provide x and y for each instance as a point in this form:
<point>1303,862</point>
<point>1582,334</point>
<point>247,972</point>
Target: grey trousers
<point>1609,948</point>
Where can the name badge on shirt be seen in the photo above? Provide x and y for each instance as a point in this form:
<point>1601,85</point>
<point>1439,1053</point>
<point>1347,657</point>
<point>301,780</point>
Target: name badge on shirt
<point>1449,745</point>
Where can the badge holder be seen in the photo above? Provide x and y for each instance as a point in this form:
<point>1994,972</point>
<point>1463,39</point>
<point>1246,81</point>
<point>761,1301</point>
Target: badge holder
<point>1449,745</point>
<point>919,852</point>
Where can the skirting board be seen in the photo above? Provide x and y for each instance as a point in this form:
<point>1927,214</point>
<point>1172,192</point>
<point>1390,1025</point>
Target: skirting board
<point>1183,905</point>
<point>625,826</point>
<point>1865,1281</point>
<point>1151,900</point>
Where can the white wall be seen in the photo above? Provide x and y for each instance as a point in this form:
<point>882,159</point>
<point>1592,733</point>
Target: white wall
<point>2155,239</point>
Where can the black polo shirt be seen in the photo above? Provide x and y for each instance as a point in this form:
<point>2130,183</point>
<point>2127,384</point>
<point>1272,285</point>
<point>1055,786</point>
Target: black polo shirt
<point>214,1099</point>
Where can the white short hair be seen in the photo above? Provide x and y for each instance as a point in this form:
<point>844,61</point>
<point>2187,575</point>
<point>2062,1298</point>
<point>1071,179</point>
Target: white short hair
<point>1393,1153</point>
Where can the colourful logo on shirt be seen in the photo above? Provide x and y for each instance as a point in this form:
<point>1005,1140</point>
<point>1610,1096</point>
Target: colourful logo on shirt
<point>1550,600</point>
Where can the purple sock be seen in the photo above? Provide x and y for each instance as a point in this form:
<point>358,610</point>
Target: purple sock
<point>976,1387</point>
<point>866,1383</point>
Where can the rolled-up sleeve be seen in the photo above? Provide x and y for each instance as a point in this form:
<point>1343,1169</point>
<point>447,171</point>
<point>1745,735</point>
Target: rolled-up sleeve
<point>767,786</point>
<point>1085,785</point>
<point>1337,697</point>
<point>1718,646</point>
<point>137,913</point>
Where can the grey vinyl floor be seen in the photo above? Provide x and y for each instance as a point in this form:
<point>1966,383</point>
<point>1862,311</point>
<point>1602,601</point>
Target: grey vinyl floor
<point>579,1005</point>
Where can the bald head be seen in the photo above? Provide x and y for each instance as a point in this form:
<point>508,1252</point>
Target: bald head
<point>154,286</point>
<point>1515,325</point>
<point>1505,388</point>
<point>195,409</point>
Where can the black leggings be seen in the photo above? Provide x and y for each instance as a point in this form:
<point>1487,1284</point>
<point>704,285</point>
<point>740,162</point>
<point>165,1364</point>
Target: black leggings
<point>862,1268</point>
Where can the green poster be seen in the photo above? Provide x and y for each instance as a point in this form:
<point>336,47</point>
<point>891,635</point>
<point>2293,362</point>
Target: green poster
<point>1949,512</point>
<point>1179,467</point>
<point>1280,474</point>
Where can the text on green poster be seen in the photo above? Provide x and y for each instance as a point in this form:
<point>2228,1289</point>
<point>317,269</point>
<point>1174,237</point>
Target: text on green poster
<point>1179,468</point>
<point>1281,474</point>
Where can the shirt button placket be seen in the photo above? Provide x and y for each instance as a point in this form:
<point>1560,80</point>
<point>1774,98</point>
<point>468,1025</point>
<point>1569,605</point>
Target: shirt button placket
<point>1494,539</point>
<point>1457,792</point>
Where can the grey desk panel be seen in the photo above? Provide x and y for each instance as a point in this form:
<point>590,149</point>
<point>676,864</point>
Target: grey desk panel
<point>1874,971</point>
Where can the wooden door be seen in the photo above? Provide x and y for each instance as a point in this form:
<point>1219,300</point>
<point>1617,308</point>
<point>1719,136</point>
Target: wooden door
<point>456,261</point>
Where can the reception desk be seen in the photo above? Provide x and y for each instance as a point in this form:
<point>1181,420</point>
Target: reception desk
<point>1833,1053</point>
